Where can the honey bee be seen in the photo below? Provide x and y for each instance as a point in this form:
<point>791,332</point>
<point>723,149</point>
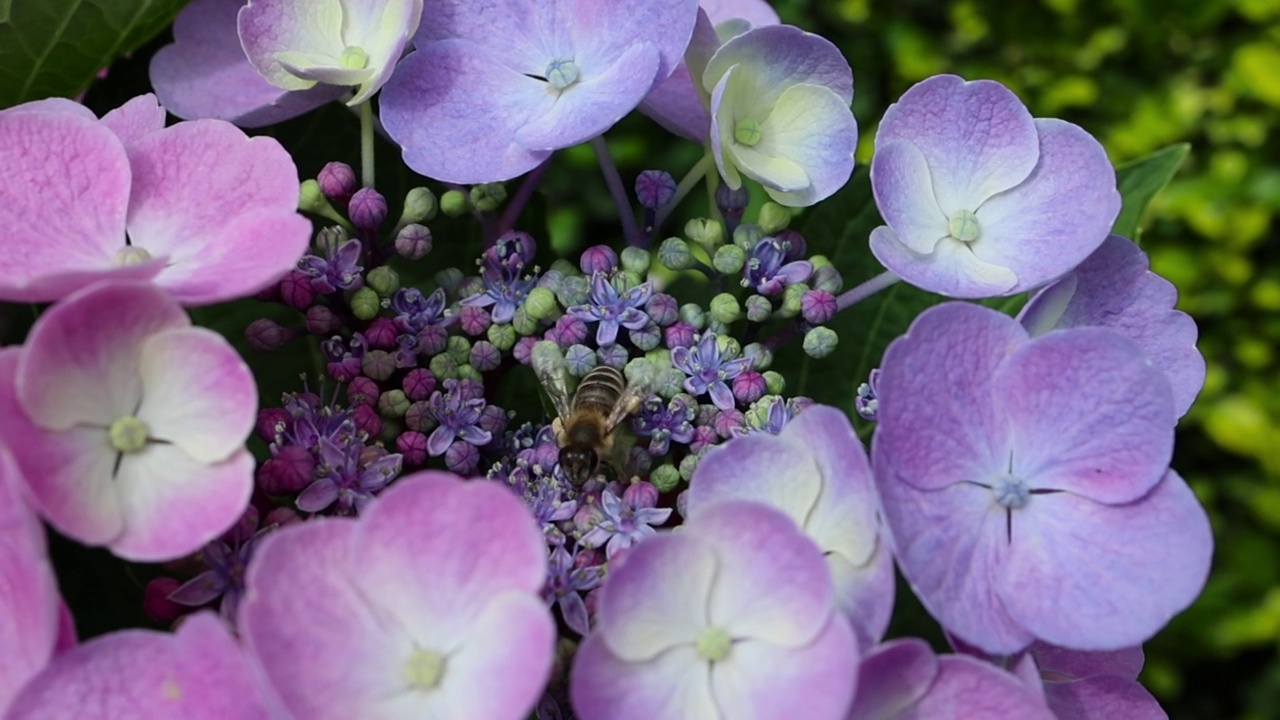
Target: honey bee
<point>585,425</point>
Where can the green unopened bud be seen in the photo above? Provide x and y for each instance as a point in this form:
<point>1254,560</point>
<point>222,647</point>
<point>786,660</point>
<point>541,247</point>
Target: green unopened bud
<point>365,303</point>
<point>635,260</point>
<point>670,383</point>
<point>773,217</point>
<point>819,261</point>
<point>774,382</point>
<point>626,280</point>
<point>665,477</point>
<point>706,232</point>
<point>393,404</point>
<point>449,279</point>
<point>455,203</point>
<point>420,206</point>
<point>639,371</point>
<point>383,280</point>
<point>659,356</point>
<point>524,324</point>
<point>468,372</point>
<point>459,348</point>
<point>729,259</point>
<point>792,297</point>
<point>573,291</point>
<point>443,366</point>
<point>729,347</point>
<point>761,356</point>
<point>725,308</point>
<point>759,308</point>
<point>674,253</point>
<point>565,268</point>
<point>828,278</point>
<point>487,197</point>
<point>715,327</point>
<point>688,465</point>
<point>820,342</point>
<point>503,337</point>
<point>377,365</point>
<point>311,199</point>
<point>747,236</point>
<point>470,286</point>
<point>693,314</point>
<point>541,304</point>
<point>330,236</point>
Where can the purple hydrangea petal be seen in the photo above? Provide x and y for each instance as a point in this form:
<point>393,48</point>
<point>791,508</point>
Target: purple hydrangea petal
<point>319,495</point>
<point>904,191</point>
<point>440,440</point>
<point>721,395</point>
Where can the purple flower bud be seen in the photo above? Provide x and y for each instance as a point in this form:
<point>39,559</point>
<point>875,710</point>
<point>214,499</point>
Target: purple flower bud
<point>362,391</point>
<point>641,495</point>
<point>381,334</point>
<point>493,419</point>
<point>288,472</point>
<point>320,320</point>
<point>793,244</point>
<point>413,446</point>
<point>613,355</point>
<point>432,339</point>
<point>524,349</point>
<point>703,436</point>
<point>413,241</point>
<point>367,420</point>
<point>680,334</point>
<point>418,384</point>
<point>484,356</point>
<point>727,421</point>
<point>474,320</point>
<point>749,387</point>
<point>296,290</point>
<point>462,458</point>
<point>244,528</point>
<point>367,209</point>
<point>156,603</point>
<point>817,306</point>
<point>513,248</point>
<point>570,331</point>
<point>655,188</point>
<point>270,293</point>
<point>337,181</point>
<point>378,365</point>
<point>662,309</point>
<point>598,259</point>
<point>418,417</point>
<point>732,203</point>
<point>281,517</point>
<point>587,517</point>
<point>268,420</point>
<point>266,335</point>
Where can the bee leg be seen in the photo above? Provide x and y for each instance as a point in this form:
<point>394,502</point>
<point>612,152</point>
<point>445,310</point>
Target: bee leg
<point>618,453</point>
<point>557,427</point>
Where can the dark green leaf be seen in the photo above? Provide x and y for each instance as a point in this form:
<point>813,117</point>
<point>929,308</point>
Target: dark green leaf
<point>55,47</point>
<point>1140,180</point>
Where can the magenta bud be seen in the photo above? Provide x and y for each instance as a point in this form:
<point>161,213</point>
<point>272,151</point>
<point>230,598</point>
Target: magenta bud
<point>473,320</point>
<point>641,495</point>
<point>678,334</point>
<point>598,259</point>
<point>655,188</point>
<point>432,340</point>
<point>570,331</point>
<point>266,335</point>
<point>281,517</point>
<point>703,436</point>
<point>296,290</point>
<point>818,306</point>
<point>322,321</point>
<point>367,420</point>
<point>749,387</point>
<point>367,209</point>
<point>793,244</point>
<point>413,241</point>
<point>662,309</point>
<point>268,421</point>
<point>418,417</point>
<point>418,384</point>
<point>362,391</point>
<point>493,419</point>
<point>270,293</point>
<point>337,181</point>
<point>727,421</point>
<point>381,334</point>
<point>341,372</point>
<point>462,458</point>
<point>290,471</point>
<point>413,446</point>
<point>524,349</point>
<point>156,603</point>
<point>732,203</point>
<point>587,517</point>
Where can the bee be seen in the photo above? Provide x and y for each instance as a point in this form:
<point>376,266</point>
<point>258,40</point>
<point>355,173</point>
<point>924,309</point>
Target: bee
<point>586,424</point>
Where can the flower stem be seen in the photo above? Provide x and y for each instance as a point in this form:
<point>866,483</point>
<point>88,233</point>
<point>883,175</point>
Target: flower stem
<point>366,143</point>
<point>630,230</point>
<point>687,183</point>
<point>521,198</point>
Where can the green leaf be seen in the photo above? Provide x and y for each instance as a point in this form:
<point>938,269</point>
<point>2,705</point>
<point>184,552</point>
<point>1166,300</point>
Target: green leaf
<point>1140,180</point>
<point>55,47</point>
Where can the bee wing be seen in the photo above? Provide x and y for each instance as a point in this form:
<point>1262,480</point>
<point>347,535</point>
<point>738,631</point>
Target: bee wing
<point>631,400</point>
<point>548,363</point>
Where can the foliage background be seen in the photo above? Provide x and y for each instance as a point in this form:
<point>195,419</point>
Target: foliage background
<point>1139,74</point>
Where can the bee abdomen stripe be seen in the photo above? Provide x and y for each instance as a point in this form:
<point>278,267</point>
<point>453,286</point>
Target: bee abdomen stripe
<point>602,386</point>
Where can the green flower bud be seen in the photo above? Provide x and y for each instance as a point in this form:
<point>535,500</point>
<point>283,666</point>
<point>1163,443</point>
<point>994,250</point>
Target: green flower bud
<point>706,232</point>
<point>635,260</point>
<point>626,280</point>
<point>665,477</point>
<point>443,366</point>
<point>688,465</point>
<point>828,278</point>
<point>819,261</point>
<point>311,199</point>
<point>503,337</point>
<point>393,403</point>
<point>365,303</point>
<point>792,297</point>
<point>774,382</point>
<point>820,342</point>
<point>383,280</point>
<point>467,372</point>
<point>449,279</point>
<point>455,203</point>
<point>725,308</point>
<point>420,206</point>
<point>639,371</point>
<point>747,236</point>
<point>524,324</point>
<point>715,327</point>
<point>377,365</point>
<point>541,304</point>
<point>674,253</point>
<point>729,259</point>
<point>759,308</point>
<point>693,314</point>
<point>761,356</point>
<point>565,268</point>
<point>660,357</point>
<point>332,235</point>
<point>486,197</point>
<point>773,217</point>
<point>670,383</point>
<point>459,348</point>
<point>573,290</point>
<point>729,347</point>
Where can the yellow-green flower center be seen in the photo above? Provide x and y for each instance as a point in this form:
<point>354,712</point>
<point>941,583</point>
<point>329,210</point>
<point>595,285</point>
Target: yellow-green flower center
<point>128,434</point>
<point>964,226</point>
<point>423,669</point>
<point>747,132</point>
<point>130,255</point>
<point>562,73</point>
<point>714,644</point>
<point>353,57</point>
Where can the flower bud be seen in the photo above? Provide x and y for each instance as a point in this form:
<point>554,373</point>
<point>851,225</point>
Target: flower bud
<point>614,356</point>
<point>462,458</point>
<point>470,286</point>
<point>455,203</point>
<point>412,445</point>
<point>729,259</point>
<point>156,603</point>
<point>337,181</point>
<point>367,209</point>
<point>474,320</point>
<point>418,417</point>
<point>704,436</point>
<point>420,206</point>
<point>706,232</point>
<point>320,320</point>
<point>759,308</point>
<point>443,366</point>
<point>281,517</point>
<point>680,334</point>
<point>570,331</point>
<point>725,308</point>
<point>413,241</point>
<point>377,365</point>
<point>524,324</point>
<point>485,357</point>
<point>818,306</point>
<point>640,495</point>
<point>747,236</point>
<point>383,280</point>
<point>523,348</point>
<point>646,338</point>
<point>792,297</point>
<point>418,384</point>
<point>564,267</point>
<point>748,387</point>
<point>772,218</point>
<point>393,404</point>
<point>774,382</point>
<point>503,337</point>
<point>296,290</point>
<point>365,303</point>
<point>655,188</point>
<point>367,420</point>
<point>381,334</point>
<point>732,203</point>
<point>727,422</point>
<point>573,290</point>
<point>820,342</point>
<point>827,278</point>
<point>432,339</point>
<point>580,360</point>
<point>670,383</point>
<point>541,304</point>
<point>761,356</point>
<point>662,309</point>
<point>311,199</point>
<point>266,335</point>
<point>693,315</point>
<point>450,280</point>
<point>640,371</point>
<point>675,254</point>
<point>362,391</point>
<point>459,348</point>
<point>659,357</point>
<point>636,260</point>
<point>687,466</point>
<point>598,259</point>
<point>289,471</point>
<point>794,246</point>
<point>487,197</point>
<point>665,477</point>
<point>267,421</point>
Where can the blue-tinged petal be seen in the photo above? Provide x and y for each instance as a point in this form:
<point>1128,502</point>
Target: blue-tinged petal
<point>951,269</point>
<point>903,188</point>
<point>270,27</point>
<point>814,128</point>
<point>778,57</point>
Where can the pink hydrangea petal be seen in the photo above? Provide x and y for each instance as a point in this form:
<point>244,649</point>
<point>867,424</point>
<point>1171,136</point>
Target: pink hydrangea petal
<point>81,358</point>
<point>173,505</point>
<point>66,188</point>
<point>1103,696</point>
<point>1104,577</point>
<point>815,681</point>
<point>303,601</point>
<point>54,105</point>
<point>1058,389</point>
<point>435,119</point>
<point>977,137</point>
<point>198,673</point>
<point>772,583</point>
<point>647,610</point>
<point>1059,215</point>
<point>892,678</point>
<point>970,688</point>
<point>1125,662</point>
<point>197,393</point>
<point>135,119</point>
<point>779,56</point>
<point>903,188</point>
<point>221,205</point>
<point>674,684</point>
<point>481,541</point>
<point>205,73</point>
<point>938,424</point>
<point>270,27</point>
<point>761,468</point>
<point>67,637</point>
<point>951,269</point>
<point>676,105</point>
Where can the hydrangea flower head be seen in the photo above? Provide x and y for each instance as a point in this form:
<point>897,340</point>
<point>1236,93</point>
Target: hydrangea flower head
<point>296,44</point>
<point>130,424</point>
<point>733,617</point>
<point>495,87</point>
<point>200,208</point>
<point>979,198</point>
<point>428,605</point>
<point>1020,459</point>
<point>817,473</point>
